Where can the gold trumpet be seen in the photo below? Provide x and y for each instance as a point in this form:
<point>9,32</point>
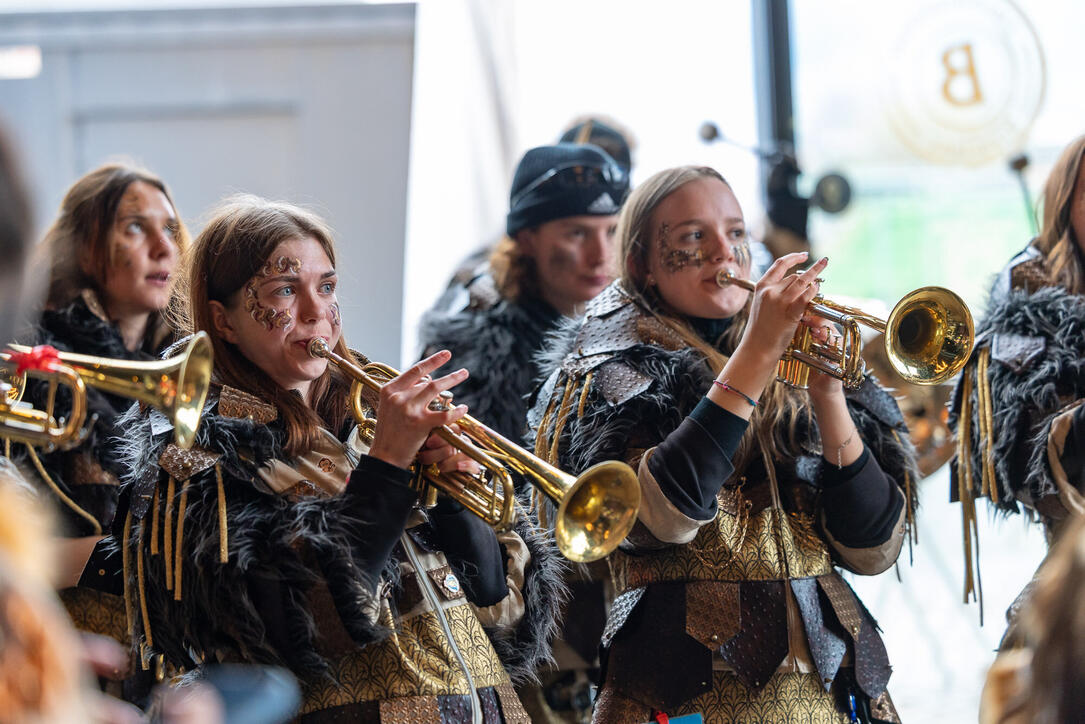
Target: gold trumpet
<point>596,509</point>
<point>928,337</point>
<point>176,386</point>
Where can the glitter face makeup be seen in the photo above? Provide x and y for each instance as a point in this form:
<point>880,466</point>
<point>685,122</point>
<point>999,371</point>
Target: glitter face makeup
<point>675,260</point>
<point>270,318</point>
<point>672,259</point>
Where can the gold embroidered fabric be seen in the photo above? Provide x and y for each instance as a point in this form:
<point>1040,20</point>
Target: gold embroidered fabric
<point>411,710</point>
<point>416,660</point>
<point>235,403</point>
<point>712,611</point>
<point>96,612</point>
<point>767,546</point>
<point>785,699</point>
<point>183,464</point>
<point>511,708</point>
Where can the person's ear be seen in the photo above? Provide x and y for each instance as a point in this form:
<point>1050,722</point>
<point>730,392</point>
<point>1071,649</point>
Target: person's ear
<point>221,322</point>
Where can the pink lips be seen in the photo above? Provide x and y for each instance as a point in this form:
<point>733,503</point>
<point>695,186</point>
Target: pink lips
<point>160,279</point>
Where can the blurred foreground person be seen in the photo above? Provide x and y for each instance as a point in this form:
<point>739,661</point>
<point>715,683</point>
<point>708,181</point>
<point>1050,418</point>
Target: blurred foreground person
<point>1017,409</point>
<point>1043,681</point>
<point>283,537</point>
<point>41,673</point>
<point>752,492</point>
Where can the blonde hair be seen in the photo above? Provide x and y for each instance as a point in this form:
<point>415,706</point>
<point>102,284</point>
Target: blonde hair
<point>775,420</point>
<point>1056,240</point>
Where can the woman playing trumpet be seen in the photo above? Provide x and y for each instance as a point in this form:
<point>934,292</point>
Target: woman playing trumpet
<point>752,492</point>
<point>281,539</point>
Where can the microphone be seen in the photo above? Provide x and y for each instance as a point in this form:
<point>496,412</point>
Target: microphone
<point>710,133</point>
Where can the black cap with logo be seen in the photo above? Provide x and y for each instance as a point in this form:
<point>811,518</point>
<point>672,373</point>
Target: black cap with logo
<point>568,179</point>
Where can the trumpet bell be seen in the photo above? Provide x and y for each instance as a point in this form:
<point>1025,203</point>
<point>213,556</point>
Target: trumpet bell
<point>929,335</point>
<point>597,512</point>
<point>176,386</point>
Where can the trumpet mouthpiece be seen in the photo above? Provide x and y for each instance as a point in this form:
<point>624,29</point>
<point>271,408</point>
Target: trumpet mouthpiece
<point>318,347</point>
<point>725,277</point>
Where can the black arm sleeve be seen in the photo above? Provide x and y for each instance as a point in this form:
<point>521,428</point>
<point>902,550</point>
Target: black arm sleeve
<point>379,494</point>
<point>861,503</point>
<point>103,571</point>
<point>692,463</point>
<point>472,551</point>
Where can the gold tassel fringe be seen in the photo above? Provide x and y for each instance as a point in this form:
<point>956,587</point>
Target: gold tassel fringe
<point>178,550</point>
<point>167,538</point>
<point>224,553</point>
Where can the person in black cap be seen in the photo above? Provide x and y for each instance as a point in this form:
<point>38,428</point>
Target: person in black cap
<point>557,254</point>
<point>606,133</point>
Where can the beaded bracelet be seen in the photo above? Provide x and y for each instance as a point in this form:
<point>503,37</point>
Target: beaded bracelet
<point>723,385</point>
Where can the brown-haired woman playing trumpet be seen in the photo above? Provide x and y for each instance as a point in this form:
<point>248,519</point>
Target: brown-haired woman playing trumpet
<point>282,539</point>
<point>729,605</point>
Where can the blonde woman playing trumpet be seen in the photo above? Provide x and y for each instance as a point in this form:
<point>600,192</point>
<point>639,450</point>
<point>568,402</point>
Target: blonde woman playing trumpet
<point>730,605</point>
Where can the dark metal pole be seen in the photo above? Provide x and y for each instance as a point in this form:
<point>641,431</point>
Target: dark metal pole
<point>775,117</point>
<point>772,74</point>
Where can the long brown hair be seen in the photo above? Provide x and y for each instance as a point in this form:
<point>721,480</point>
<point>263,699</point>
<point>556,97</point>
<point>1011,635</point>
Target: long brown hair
<point>776,417</point>
<point>515,274</point>
<point>1057,241</point>
<point>241,235</point>
<point>1054,627</point>
<point>82,230</point>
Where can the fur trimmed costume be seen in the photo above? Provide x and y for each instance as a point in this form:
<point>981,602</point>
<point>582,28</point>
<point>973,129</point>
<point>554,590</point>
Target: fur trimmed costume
<point>730,606</point>
<point>1017,408</point>
<point>497,341</point>
<point>82,483</point>
<point>325,565</point>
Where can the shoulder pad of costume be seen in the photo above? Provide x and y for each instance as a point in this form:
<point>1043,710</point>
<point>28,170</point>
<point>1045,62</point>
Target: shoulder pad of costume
<point>1016,351</point>
<point>607,301</point>
<point>600,337</point>
<point>1021,269</point>
<point>235,403</point>
<point>876,400</point>
<point>618,381</point>
<point>183,464</point>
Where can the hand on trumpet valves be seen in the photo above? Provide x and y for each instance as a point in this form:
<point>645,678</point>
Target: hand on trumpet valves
<point>444,458</point>
<point>779,303</point>
<point>824,388</point>
<point>405,417</point>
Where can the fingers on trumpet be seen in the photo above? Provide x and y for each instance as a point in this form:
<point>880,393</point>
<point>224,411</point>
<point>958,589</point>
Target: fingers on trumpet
<point>436,451</point>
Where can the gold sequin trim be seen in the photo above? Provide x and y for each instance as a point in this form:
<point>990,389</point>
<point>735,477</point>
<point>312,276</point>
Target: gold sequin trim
<point>235,403</point>
<point>183,464</point>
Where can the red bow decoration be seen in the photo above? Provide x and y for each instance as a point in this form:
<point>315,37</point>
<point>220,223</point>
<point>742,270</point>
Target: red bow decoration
<point>42,358</point>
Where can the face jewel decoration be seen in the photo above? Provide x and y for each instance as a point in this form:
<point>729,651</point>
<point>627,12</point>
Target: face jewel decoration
<point>270,318</point>
<point>675,260</point>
